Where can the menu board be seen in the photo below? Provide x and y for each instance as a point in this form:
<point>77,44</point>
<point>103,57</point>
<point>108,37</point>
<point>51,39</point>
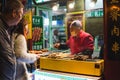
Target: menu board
<point>113,29</point>
<point>41,1</point>
<point>37,32</point>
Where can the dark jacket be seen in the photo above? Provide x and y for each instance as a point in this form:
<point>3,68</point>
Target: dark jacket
<point>7,56</point>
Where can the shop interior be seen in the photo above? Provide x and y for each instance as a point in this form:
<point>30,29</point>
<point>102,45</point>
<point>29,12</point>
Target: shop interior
<point>45,16</point>
<point>55,13</point>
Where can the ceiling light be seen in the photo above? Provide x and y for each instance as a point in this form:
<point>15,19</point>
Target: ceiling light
<point>92,4</point>
<point>55,7</point>
<point>71,5</point>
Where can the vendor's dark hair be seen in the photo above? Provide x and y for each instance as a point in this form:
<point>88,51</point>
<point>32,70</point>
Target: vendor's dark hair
<point>21,26</point>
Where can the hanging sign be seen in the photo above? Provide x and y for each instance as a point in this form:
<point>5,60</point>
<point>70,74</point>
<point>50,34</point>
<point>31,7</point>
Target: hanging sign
<point>37,32</point>
<point>95,13</point>
<point>113,29</point>
<point>40,1</point>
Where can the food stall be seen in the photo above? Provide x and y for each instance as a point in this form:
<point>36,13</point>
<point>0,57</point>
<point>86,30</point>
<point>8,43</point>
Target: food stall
<point>88,67</point>
<point>57,64</point>
<point>53,75</point>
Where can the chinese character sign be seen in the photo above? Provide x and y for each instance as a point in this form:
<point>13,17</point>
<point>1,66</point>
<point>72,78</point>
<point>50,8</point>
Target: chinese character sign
<point>37,32</point>
<point>113,29</point>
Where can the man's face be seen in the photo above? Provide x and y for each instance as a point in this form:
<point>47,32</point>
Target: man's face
<point>18,16</point>
<point>74,31</point>
<point>56,32</point>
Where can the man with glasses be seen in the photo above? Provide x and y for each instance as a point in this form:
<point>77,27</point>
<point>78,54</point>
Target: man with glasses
<point>10,16</point>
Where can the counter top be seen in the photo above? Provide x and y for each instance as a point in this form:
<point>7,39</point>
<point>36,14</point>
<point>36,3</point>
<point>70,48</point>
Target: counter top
<point>90,67</point>
<point>64,76</point>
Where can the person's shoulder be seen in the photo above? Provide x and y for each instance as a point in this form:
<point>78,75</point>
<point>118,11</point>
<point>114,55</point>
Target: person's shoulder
<point>19,36</point>
<point>86,33</point>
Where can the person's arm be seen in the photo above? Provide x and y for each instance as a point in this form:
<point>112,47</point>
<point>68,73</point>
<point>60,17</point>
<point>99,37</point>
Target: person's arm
<point>89,45</point>
<point>63,46</point>
<point>21,50</point>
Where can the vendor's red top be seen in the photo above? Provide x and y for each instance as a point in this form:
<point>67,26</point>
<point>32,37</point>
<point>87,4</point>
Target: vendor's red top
<point>80,43</point>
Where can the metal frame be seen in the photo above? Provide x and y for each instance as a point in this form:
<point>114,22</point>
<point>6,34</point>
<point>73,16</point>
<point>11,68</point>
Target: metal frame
<point>49,26</point>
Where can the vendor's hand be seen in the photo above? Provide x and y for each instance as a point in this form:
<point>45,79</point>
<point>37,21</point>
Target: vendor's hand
<point>31,51</point>
<point>35,52</point>
<point>71,56</point>
<point>56,45</point>
<point>38,52</point>
<point>84,57</point>
<point>81,57</point>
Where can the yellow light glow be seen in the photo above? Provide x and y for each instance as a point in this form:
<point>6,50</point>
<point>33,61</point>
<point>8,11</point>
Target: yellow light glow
<point>71,5</point>
<point>55,7</point>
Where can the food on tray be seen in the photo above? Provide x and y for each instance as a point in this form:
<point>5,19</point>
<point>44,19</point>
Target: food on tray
<point>52,55</point>
<point>38,51</point>
<point>35,51</point>
<point>44,50</point>
<point>80,57</point>
<point>36,35</point>
<point>57,55</point>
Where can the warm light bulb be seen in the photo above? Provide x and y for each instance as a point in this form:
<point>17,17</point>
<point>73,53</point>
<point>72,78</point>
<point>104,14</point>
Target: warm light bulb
<point>92,4</point>
<point>71,5</point>
<point>55,7</point>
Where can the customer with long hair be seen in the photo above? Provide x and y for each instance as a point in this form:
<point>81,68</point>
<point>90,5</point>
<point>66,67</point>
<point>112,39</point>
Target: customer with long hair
<point>21,53</point>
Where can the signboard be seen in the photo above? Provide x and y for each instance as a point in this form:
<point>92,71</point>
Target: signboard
<point>28,17</point>
<point>95,13</point>
<point>40,1</point>
<point>113,29</point>
<point>71,17</point>
<point>37,21</point>
<point>37,32</point>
